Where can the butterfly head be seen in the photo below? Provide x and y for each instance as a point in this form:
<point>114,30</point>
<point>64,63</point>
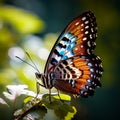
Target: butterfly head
<point>47,80</point>
<point>38,75</point>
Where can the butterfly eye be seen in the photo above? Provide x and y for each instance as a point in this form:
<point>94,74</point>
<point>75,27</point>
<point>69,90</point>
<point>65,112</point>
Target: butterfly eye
<point>38,75</point>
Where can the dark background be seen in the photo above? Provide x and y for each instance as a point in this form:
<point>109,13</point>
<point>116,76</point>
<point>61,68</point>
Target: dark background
<point>56,14</point>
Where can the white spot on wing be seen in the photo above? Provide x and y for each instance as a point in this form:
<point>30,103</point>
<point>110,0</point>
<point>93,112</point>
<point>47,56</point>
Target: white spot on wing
<point>91,70</point>
<point>62,42</point>
<point>86,27</point>
<point>73,83</point>
<point>90,64</point>
<point>88,43</point>
<point>92,30</point>
<point>82,29</point>
<point>84,39</point>
<point>77,23</point>
<point>88,51</point>
<point>90,36</point>
<point>86,32</point>
<point>81,46</point>
<point>84,18</point>
<point>86,22</point>
<point>82,25</point>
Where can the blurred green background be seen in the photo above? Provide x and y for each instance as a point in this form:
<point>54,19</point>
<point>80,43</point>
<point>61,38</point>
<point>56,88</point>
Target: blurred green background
<point>34,25</point>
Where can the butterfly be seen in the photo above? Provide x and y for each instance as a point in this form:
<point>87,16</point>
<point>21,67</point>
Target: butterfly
<point>72,67</point>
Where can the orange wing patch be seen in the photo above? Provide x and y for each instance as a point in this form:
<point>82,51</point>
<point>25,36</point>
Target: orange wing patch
<point>75,28</point>
<point>82,65</point>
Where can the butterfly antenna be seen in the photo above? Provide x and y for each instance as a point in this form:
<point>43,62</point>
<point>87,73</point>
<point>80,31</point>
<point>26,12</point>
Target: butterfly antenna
<point>33,66</point>
<point>32,61</point>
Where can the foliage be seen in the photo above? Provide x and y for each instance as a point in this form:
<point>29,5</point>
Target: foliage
<point>22,104</point>
<point>22,21</point>
<point>16,24</point>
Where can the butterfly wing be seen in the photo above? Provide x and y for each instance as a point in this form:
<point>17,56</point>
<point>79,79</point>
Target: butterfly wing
<point>78,38</point>
<point>75,68</point>
<point>78,75</point>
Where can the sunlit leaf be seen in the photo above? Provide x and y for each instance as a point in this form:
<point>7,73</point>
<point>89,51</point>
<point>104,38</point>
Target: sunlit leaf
<point>37,113</point>
<point>18,112</point>
<point>63,97</point>
<point>39,107</point>
<point>14,91</point>
<point>3,102</point>
<point>58,108</point>
<point>70,115</point>
<point>63,110</point>
<point>23,21</point>
<point>32,109</point>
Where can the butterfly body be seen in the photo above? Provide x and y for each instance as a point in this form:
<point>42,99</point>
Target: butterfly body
<point>72,66</point>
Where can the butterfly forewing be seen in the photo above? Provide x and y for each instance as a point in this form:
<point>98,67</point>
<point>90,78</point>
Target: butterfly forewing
<point>72,64</point>
<point>78,38</point>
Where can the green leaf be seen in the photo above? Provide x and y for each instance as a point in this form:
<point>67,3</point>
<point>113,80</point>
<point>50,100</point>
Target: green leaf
<point>61,109</point>
<point>63,97</point>
<point>70,115</point>
<point>33,109</point>
<point>64,110</point>
<point>36,113</point>
<point>3,102</point>
<point>23,21</point>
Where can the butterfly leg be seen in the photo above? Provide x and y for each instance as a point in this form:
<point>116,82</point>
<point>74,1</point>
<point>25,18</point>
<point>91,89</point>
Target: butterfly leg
<point>38,88</point>
<point>59,95</point>
<point>50,95</point>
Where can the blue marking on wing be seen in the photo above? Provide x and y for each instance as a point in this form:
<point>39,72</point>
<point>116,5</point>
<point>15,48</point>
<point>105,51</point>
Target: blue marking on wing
<point>62,52</point>
<point>70,44</point>
<point>69,41</point>
<point>65,57</point>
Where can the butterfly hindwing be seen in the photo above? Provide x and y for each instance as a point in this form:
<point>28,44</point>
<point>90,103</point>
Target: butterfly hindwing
<point>78,75</point>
